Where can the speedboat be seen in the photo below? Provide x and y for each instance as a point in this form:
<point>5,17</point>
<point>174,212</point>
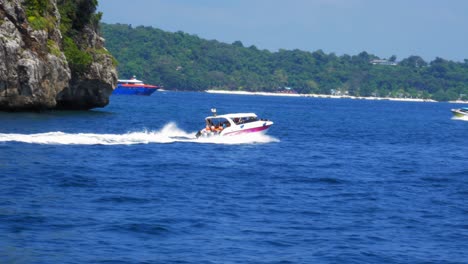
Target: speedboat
<point>233,124</point>
<point>134,87</point>
<point>460,112</point>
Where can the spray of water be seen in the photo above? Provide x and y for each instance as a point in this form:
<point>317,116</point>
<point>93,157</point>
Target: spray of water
<point>170,133</point>
<point>463,118</point>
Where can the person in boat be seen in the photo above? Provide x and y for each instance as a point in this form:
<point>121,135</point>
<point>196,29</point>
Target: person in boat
<point>209,126</point>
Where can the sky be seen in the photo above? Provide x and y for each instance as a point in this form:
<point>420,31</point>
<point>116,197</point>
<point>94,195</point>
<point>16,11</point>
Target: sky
<point>426,28</point>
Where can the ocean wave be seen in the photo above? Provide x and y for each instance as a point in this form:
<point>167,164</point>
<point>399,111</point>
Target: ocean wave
<point>170,133</point>
<point>77,181</point>
<point>122,199</point>
<point>143,228</point>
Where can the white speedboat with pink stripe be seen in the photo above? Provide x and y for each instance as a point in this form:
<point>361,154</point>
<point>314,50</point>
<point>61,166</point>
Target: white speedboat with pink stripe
<point>233,124</point>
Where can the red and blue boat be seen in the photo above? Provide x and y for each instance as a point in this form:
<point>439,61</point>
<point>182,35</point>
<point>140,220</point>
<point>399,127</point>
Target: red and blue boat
<point>134,87</point>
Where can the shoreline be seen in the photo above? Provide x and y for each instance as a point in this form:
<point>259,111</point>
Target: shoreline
<point>332,96</point>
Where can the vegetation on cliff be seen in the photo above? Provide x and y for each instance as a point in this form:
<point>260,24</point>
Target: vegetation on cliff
<point>187,62</point>
<point>75,15</point>
<point>52,56</point>
<point>38,14</point>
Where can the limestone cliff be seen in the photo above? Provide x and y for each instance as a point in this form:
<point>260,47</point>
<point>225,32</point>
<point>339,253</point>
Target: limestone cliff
<point>50,62</point>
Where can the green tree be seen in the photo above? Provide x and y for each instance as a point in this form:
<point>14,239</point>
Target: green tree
<point>182,61</point>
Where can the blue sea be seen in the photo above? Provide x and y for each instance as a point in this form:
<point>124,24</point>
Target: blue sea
<point>333,181</point>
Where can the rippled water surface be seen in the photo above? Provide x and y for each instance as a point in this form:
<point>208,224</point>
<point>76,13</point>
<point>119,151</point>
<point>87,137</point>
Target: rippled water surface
<point>333,181</point>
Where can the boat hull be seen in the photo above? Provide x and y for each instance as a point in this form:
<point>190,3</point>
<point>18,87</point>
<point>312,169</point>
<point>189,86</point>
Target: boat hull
<point>261,129</point>
<point>133,91</point>
<point>240,130</point>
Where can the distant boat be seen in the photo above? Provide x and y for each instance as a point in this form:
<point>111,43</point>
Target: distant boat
<point>134,87</point>
<point>460,112</point>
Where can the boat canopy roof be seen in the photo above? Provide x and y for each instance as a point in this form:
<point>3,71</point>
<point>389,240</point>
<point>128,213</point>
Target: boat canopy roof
<point>232,116</point>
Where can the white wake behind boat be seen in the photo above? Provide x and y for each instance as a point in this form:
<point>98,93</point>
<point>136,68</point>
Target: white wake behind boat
<point>233,124</point>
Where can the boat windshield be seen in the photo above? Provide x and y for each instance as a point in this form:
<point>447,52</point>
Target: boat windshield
<point>247,119</point>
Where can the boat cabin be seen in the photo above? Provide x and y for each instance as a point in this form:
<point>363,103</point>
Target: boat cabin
<point>219,122</point>
<point>133,80</point>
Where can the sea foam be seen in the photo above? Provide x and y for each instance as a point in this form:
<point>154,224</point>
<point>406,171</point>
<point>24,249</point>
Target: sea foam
<point>463,118</point>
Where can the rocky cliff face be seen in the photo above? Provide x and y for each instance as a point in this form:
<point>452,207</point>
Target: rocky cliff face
<point>36,72</point>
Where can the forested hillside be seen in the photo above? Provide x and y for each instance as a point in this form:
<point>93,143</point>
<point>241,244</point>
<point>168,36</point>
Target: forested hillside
<point>180,61</point>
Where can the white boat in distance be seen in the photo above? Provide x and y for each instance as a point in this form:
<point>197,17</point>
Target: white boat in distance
<point>460,112</point>
<point>233,124</point>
